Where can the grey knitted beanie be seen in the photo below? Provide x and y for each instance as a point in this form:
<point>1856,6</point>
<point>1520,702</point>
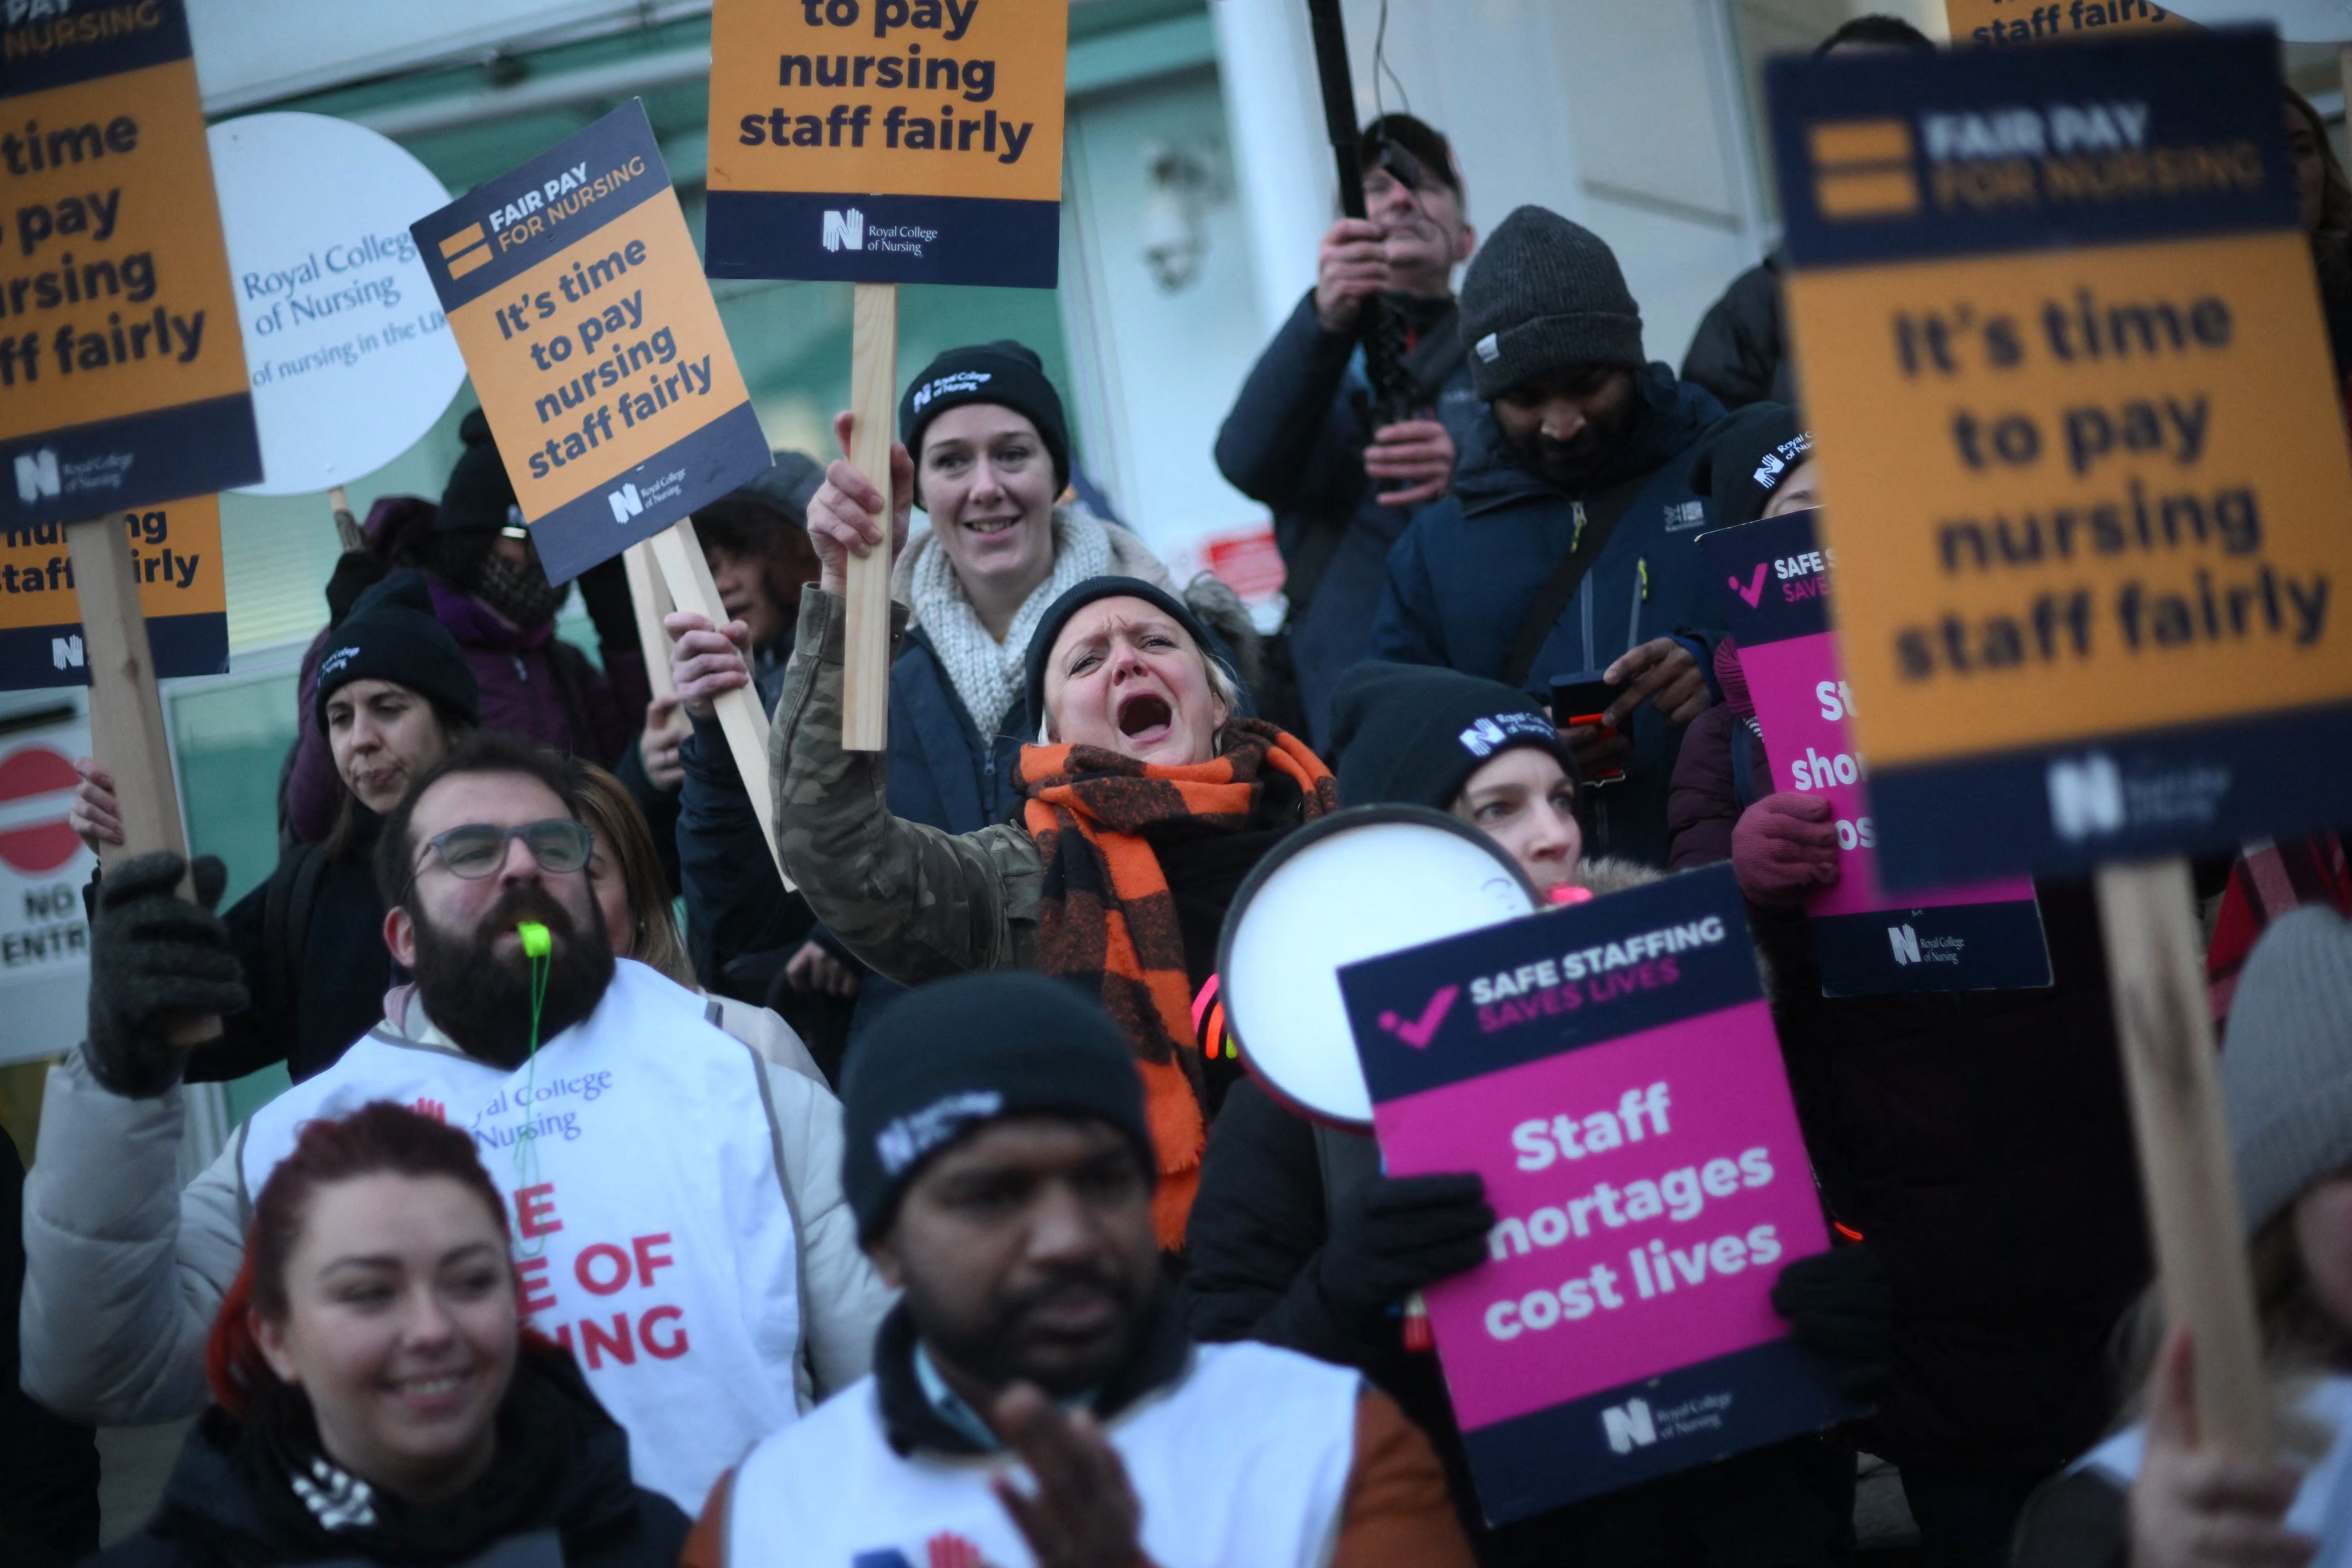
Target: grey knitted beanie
<point>2287,1071</point>
<point>1542,294</point>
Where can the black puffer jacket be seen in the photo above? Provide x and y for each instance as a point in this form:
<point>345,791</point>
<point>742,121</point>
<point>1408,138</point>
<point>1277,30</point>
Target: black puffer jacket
<point>562,1474</point>
<point>1980,1143</point>
<point>1740,352</point>
<point>321,986</point>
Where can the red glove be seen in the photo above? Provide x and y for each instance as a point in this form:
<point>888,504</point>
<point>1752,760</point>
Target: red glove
<point>1784,848</point>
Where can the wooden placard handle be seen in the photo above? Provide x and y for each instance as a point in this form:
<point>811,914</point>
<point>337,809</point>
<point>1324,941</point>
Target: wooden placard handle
<point>679,554</point>
<point>873,401</point>
<point>347,526</point>
<point>2158,980</point>
<point>126,714</point>
<point>649,598</point>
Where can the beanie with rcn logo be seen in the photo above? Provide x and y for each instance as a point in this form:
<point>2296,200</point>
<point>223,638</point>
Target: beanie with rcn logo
<point>391,635</point>
<point>944,1061</point>
<point>1743,457</point>
<point>1004,372</point>
<point>1543,296</point>
<point>1412,735</point>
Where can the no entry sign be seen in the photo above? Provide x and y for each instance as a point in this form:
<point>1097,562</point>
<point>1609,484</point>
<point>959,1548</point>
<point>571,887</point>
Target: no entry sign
<point>44,937</point>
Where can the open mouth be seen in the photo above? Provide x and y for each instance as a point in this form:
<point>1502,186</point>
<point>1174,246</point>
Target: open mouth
<point>1143,713</point>
<point>988,525</point>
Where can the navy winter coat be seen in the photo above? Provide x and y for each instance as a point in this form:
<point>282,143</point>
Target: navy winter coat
<point>1296,440</point>
<point>1464,574</point>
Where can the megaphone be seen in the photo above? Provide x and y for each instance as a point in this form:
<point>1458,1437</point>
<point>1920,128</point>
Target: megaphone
<point>1357,884</point>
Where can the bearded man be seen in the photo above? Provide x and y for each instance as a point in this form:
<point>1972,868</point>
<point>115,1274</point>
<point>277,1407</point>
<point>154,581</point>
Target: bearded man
<point>1566,546</point>
<point>677,1202</point>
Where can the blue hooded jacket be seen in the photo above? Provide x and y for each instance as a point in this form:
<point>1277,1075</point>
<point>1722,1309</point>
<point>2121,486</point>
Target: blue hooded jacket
<point>1462,578</point>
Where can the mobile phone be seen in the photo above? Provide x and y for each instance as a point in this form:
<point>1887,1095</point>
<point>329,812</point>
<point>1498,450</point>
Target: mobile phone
<point>1582,698</point>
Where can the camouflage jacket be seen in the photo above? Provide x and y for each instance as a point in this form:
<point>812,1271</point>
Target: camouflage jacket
<point>912,902</point>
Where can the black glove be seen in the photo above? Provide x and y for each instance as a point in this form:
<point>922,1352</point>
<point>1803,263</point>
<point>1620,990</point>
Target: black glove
<point>1393,1235</point>
<point>355,572</point>
<point>1839,1305</point>
<point>156,961</point>
<point>604,594</point>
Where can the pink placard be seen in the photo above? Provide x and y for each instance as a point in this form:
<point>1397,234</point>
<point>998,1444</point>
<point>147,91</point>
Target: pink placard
<point>1685,1134</point>
<point>1804,708</point>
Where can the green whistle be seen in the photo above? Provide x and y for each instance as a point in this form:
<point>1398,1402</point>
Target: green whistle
<point>536,943</point>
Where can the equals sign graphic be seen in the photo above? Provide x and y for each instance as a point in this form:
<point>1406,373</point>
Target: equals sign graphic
<point>465,250</point>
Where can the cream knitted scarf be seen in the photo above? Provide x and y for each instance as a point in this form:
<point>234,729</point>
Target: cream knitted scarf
<point>987,675</point>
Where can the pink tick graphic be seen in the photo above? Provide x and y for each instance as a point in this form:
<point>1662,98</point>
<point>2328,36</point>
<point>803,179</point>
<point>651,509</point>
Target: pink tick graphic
<point>1420,1031</point>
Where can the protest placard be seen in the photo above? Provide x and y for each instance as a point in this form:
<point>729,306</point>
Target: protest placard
<point>882,141</point>
<point>2081,443</point>
<point>352,358</point>
<point>121,378</point>
<point>1867,941</point>
<point>2040,21</point>
<point>2086,477</point>
<point>887,140</point>
<point>577,298</point>
<point>175,551</point>
<point>1609,1070</point>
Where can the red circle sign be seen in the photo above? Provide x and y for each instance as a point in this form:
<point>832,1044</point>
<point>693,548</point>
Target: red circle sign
<point>42,844</point>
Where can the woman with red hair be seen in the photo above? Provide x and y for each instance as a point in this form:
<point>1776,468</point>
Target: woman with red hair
<point>377,1398</point>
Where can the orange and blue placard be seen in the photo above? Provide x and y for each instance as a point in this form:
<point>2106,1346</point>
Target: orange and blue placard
<point>2082,447</point>
<point>887,140</point>
<point>123,379</point>
<point>580,304</point>
<point>176,552</point>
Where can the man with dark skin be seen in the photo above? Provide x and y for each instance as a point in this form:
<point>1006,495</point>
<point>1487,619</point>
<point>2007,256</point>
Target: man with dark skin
<point>1564,548</point>
<point>1005,1188</point>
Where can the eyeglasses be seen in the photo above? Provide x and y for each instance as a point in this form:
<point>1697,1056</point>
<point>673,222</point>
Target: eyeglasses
<point>476,850</point>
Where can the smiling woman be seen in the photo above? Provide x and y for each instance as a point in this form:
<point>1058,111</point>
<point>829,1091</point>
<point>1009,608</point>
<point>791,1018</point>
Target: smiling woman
<point>377,1398</point>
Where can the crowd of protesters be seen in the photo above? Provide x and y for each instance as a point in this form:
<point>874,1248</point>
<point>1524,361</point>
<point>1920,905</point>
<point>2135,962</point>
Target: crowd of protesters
<point>901,1211</point>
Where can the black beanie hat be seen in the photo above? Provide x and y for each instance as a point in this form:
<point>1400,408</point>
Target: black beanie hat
<point>1544,295</point>
<point>1743,457</point>
<point>975,1049</point>
<point>391,635</point>
<point>479,494</point>
<point>1057,615</point>
<point>789,485</point>
<point>1003,372</point>
<point>1412,735</point>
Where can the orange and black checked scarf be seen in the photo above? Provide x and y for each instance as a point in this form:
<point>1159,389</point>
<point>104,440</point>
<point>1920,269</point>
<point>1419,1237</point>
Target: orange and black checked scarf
<point>1108,918</point>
